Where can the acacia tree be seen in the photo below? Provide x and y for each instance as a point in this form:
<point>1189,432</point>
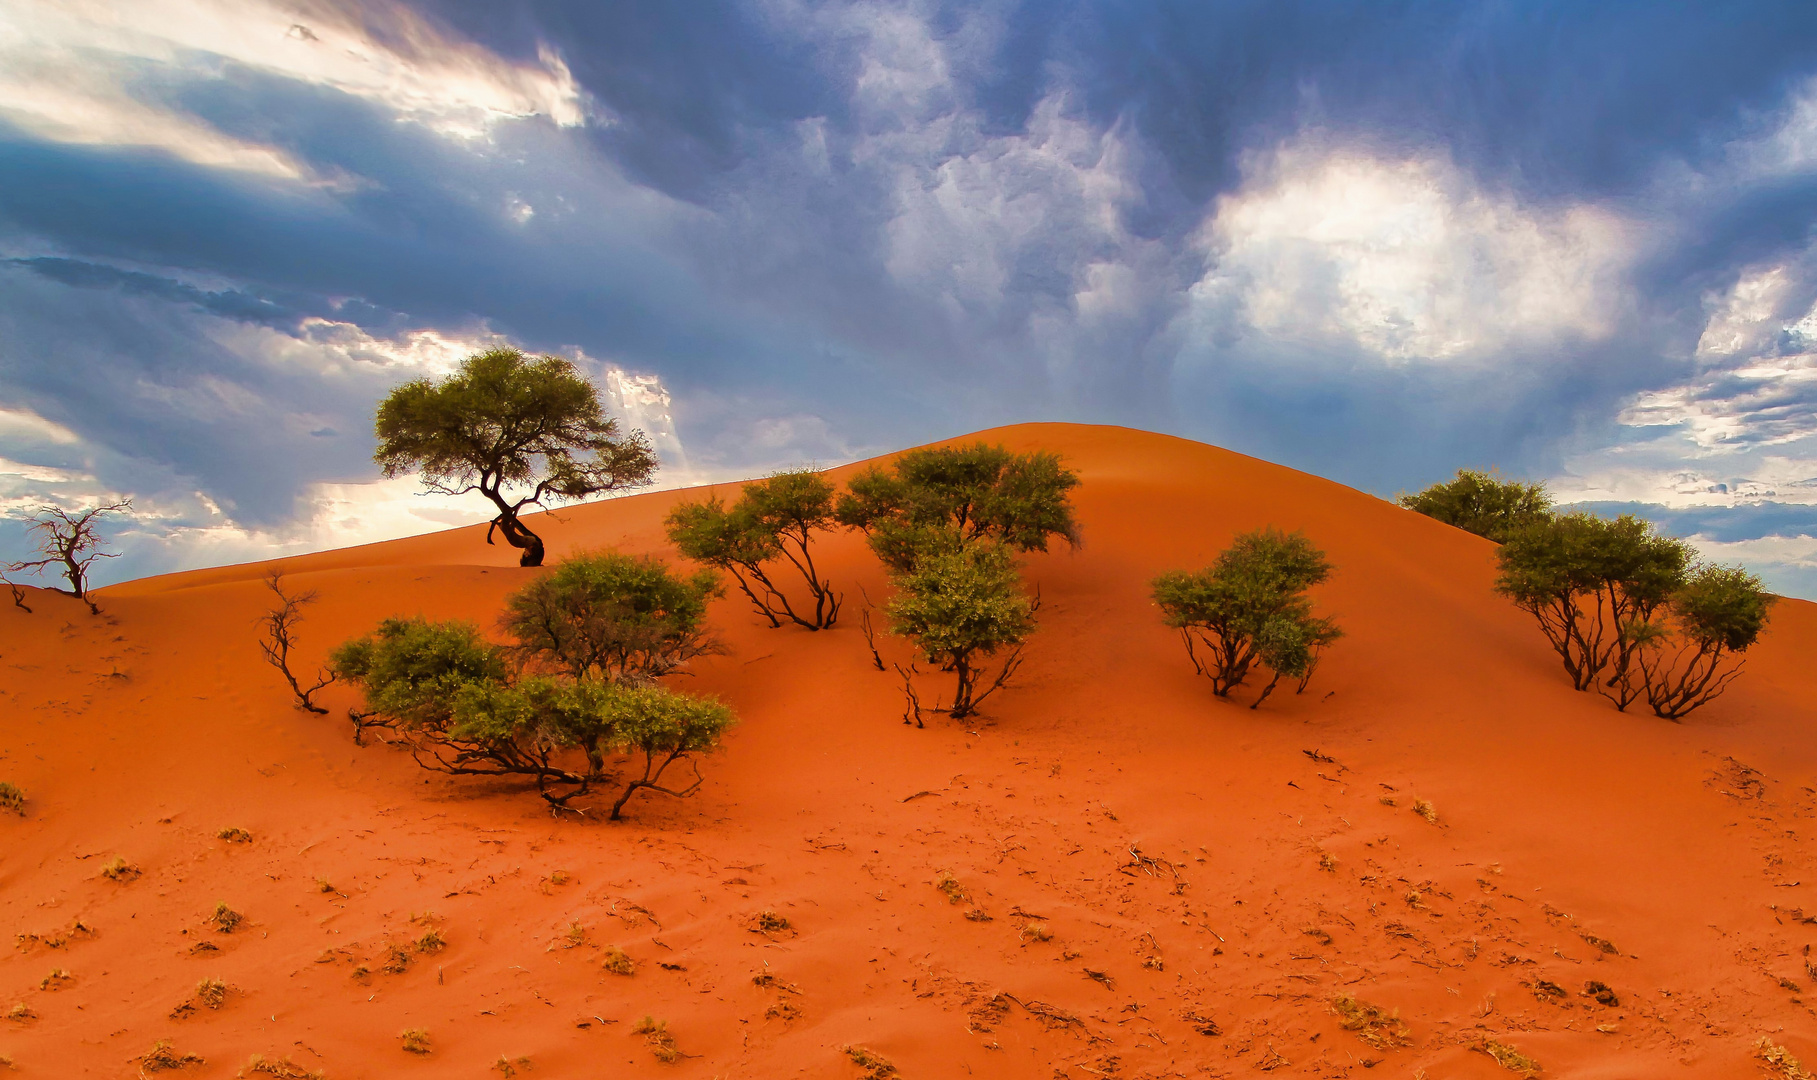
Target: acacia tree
<point>774,519</point>
<point>504,422</point>
<point>1250,607</point>
<point>1687,659</point>
<point>945,498</point>
<point>1591,583</point>
<point>1483,503</point>
<point>962,608</point>
<point>280,637</point>
<point>70,543</point>
<point>612,617</point>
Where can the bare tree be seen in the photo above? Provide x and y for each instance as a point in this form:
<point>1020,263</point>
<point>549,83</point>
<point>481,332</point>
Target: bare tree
<point>69,543</point>
<point>280,626</point>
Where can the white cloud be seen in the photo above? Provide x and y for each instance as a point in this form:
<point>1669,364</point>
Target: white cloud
<point>73,70</point>
<point>21,425</point>
<point>1405,257</point>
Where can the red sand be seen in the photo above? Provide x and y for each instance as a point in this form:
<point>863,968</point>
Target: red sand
<point>144,732</point>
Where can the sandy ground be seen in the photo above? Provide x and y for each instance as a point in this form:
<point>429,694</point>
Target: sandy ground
<point>1573,843</point>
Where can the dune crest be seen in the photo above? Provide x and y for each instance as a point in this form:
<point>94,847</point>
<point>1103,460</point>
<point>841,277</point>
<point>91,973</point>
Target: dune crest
<point>1440,857</point>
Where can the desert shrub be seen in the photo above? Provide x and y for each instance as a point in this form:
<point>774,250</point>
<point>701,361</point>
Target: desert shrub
<point>610,616</point>
<point>1508,1057</point>
<point>1375,1026</point>
<point>281,1068</point>
<point>1483,503</point>
<point>162,1057</point>
<point>656,1036</point>
<point>1250,607</point>
<point>462,711</point>
<point>1629,612</point>
<point>11,798</point>
<point>225,919</point>
<point>773,521</point>
<point>69,544</point>
<point>233,834</point>
<point>118,869</point>
<point>414,1041</point>
<point>1688,658</point>
<point>962,608</point>
<point>211,993</point>
<point>504,422</point>
<point>279,636</point>
<point>953,496</point>
<point>875,1065</point>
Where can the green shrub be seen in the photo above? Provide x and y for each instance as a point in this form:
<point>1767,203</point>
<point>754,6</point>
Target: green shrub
<point>1483,503</point>
<point>1629,612</point>
<point>962,608</point>
<point>773,521</point>
<point>952,496</point>
<point>609,616</point>
<point>1250,607</point>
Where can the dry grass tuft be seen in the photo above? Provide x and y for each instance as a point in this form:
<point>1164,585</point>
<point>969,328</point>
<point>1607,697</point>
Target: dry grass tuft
<point>575,937</point>
<point>949,887</point>
<point>1425,809</point>
<point>656,1034</point>
<point>414,1041</point>
<point>782,1009</point>
<point>161,1057</point>
<point>212,993</point>
<point>432,941</point>
<point>508,1068</point>
<point>875,1065</point>
<point>618,962</point>
<point>282,1068</point>
<point>56,980</point>
<point>1035,931</point>
<point>11,798</point>
<point>768,922</point>
<point>323,885</point>
<point>1376,1026</point>
<point>233,834</point>
<point>1508,1057</point>
<point>225,919</point>
<point>1598,943</point>
<point>118,869</point>
<point>1780,1060</point>
<point>1327,861</point>
<point>978,914</point>
<point>21,1013</point>
<point>397,959</point>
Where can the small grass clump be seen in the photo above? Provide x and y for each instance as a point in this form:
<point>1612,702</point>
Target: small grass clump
<point>56,980</point>
<point>656,1034</point>
<point>978,914</point>
<point>1600,944</point>
<point>1601,993</point>
<point>768,922</point>
<point>414,1041</point>
<point>1508,1057</point>
<point>1327,861</point>
<point>875,1065</point>
<point>508,1068</point>
<point>225,919</point>
<point>161,1057</point>
<point>281,1068</point>
<point>397,959</point>
<point>1035,931</point>
<point>212,993</point>
<point>618,962</point>
<point>575,937</point>
<point>432,941</point>
<point>1780,1060</point>
<point>11,798</point>
<point>118,869</point>
<point>1425,809</point>
<point>1376,1026</point>
<point>21,1013</point>
<point>233,834</point>
<point>949,887</point>
<point>323,885</point>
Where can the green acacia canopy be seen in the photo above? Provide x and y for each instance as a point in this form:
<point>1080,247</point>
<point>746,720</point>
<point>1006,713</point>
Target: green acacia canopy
<point>503,422</point>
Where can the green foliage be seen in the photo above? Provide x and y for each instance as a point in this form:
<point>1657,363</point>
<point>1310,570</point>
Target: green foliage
<point>1248,607</point>
<point>505,420</point>
<point>1630,613</point>
<point>1483,503</point>
<point>774,520</point>
<point>610,616</point>
<point>1589,581</point>
<point>961,608</point>
<point>464,711</point>
<point>956,495</point>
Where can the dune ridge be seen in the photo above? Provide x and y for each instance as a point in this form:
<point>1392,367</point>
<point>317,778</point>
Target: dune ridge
<point>1111,874</point>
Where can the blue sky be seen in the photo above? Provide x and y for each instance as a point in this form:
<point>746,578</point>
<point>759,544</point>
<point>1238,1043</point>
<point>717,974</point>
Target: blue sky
<point>1376,241</point>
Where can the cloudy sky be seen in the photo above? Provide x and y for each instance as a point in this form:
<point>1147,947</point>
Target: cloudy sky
<point>1372,240</point>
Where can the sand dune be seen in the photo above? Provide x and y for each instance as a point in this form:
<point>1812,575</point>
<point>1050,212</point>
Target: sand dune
<point>1573,843</point>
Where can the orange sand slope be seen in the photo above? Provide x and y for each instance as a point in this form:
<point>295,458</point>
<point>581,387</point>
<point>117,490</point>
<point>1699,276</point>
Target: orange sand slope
<point>1573,843</point>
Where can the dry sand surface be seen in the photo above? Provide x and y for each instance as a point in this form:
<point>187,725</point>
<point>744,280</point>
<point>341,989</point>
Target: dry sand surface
<point>1209,877</point>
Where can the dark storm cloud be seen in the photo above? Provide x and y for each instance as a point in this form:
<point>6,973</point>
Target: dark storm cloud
<point>881,219</point>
